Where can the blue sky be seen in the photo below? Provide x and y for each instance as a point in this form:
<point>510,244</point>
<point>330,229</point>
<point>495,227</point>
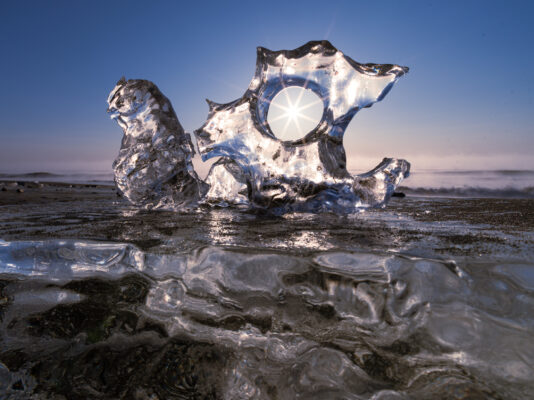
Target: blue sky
<point>466,103</point>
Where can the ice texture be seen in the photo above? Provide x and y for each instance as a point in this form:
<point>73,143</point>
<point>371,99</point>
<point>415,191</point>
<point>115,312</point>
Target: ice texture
<point>256,169</point>
<point>329,318</point>
<point>153,168</point>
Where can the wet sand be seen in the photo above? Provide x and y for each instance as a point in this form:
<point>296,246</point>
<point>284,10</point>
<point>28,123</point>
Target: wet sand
<point>504,214</point>
<point>20,192</point>
<point>453,226</point>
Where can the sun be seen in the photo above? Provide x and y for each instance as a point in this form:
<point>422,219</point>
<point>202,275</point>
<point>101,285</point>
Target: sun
<point>295,111</point>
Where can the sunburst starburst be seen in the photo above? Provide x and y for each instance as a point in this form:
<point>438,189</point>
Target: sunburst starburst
<point>296,111</point>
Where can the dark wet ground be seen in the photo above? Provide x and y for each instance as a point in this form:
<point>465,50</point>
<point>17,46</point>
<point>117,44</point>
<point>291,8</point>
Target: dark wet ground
<point>429,298</point>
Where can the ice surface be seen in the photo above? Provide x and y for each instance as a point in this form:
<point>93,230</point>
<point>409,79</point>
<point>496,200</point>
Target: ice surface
<point>101,299</point>
<point>257,169</point>
<point>111,318</point>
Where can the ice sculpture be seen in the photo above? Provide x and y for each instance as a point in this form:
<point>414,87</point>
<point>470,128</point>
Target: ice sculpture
<point>257,169</point>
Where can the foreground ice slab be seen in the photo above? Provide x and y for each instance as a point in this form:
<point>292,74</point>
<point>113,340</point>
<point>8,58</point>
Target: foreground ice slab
<point>257,169</point>
<point>253,322</point>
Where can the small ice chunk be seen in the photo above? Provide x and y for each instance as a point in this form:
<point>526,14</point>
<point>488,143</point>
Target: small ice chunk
<point>153,168</point>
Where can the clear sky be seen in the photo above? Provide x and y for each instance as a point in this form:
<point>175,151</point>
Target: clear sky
<point>466,103</point>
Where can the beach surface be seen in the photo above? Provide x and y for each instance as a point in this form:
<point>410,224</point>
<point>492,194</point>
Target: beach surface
<point>513,216</point>
<point>431,297</point>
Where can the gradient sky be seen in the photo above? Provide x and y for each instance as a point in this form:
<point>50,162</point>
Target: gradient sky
<point>466,103</point>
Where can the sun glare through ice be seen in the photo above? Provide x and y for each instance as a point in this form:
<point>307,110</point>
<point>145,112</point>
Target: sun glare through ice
<point>294,112</point>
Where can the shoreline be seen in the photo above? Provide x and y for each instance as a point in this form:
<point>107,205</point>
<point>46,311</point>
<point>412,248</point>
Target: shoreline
<point>501,212</point>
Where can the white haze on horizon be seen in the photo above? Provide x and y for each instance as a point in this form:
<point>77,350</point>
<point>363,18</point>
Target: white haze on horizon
<point>355,164</point>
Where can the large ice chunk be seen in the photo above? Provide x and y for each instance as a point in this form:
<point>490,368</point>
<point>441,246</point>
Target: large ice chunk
<point>309,173</point>
<point>257,169</point>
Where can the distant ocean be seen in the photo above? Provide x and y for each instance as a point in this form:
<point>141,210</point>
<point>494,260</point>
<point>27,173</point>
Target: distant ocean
<point>471,183</point>
<point>445,183</point>
<point>100,178</point>
<point>468,183</point>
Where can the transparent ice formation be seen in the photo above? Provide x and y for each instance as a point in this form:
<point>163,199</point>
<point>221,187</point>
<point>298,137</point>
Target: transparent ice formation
<point>153,168</point>
<point>256,169</point>
<point>117,321</point>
